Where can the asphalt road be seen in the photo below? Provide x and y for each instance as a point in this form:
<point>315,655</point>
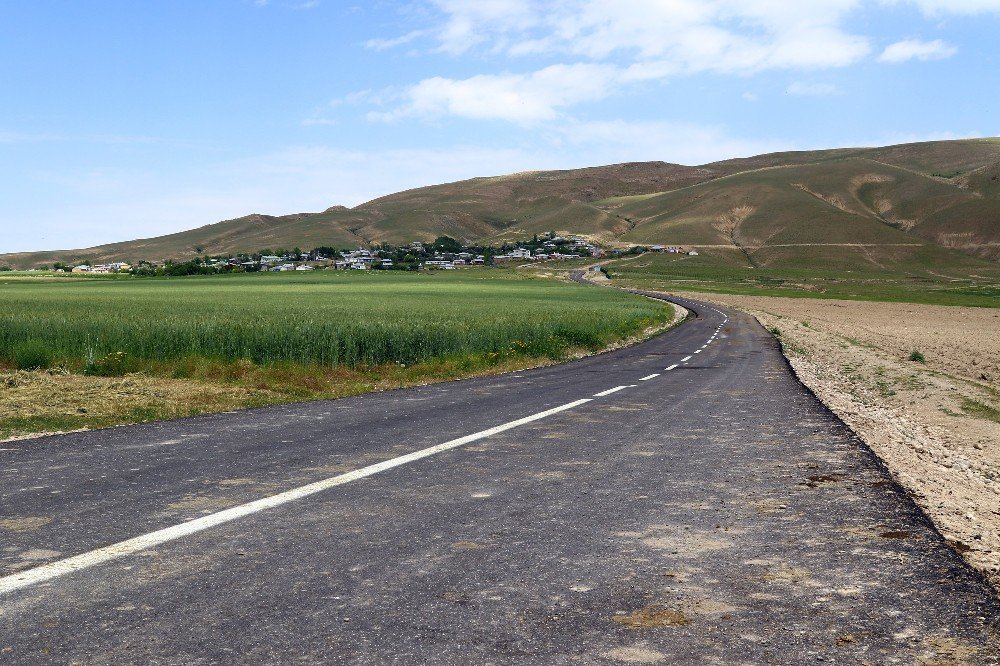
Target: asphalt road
<point>709,511</point>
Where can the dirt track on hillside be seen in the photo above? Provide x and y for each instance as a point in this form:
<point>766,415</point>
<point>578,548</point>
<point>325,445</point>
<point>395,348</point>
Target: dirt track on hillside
<point>931,423</point>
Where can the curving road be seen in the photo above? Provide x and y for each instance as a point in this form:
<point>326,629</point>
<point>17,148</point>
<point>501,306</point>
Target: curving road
<point>684,500</point>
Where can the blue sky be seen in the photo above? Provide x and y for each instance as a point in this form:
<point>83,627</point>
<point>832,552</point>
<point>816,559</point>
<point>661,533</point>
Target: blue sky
<point>122,120</point>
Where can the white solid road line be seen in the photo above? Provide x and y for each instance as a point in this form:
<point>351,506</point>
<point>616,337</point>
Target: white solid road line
<point>672,367</point>
<point>612,390</point>
<point>115,551</point>
<point>685,359</point>
<point>648,377</point>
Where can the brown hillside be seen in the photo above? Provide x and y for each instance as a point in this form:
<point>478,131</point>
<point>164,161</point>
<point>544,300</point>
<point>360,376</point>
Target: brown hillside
<point>942,194</point>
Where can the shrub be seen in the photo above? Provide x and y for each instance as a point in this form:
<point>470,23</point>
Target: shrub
<point>917,356</point>
<point>32,355</point>
<point>775,331</point>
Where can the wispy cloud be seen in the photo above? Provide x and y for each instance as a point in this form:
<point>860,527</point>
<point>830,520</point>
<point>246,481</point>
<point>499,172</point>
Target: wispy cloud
<point>698,35</point>
<point>606,47</point>
<point>318,122</point>
<point>640,40</point>
<point>307,4</point>
<point>605,142</point>
<point>8,137</point>
<point>26,137</point>
<point>802,89</point>
<point>943,7</point>
<point>915,49</point>
<point>379,44</point>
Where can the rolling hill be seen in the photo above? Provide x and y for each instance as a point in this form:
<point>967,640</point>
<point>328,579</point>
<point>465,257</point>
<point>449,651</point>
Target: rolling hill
<point>837,207</point>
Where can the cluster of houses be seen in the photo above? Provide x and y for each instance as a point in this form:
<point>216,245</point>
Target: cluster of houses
<point>672,249</point>
<point>361,260</point>
<point>101,269</point>
<point>550,250</point>
<point>449,261</point>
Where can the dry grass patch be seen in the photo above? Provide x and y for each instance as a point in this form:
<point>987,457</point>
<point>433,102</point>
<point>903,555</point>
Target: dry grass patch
<point>49,401</point>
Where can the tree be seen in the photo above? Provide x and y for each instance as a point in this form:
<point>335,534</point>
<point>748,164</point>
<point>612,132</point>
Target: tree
<point>447,244</point>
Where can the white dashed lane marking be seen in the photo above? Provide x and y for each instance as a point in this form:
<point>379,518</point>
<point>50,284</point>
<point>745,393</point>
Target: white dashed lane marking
<point>612,390</point>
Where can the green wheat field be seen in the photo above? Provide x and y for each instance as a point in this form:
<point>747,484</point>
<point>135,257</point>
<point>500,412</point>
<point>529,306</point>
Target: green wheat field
<point>327,319</point>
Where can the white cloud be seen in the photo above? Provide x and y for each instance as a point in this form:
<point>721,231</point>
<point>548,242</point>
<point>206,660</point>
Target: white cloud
<point>469,24</point>
<point>608,46</point>
<point>942,7</point>
<point>697,35</point>
<point>801,89</point>
<point>915,49</point>
<point>520,98</point>
<point>318,122</point>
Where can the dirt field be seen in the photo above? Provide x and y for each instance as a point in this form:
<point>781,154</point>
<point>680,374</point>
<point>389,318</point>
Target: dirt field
<point>935,424</point>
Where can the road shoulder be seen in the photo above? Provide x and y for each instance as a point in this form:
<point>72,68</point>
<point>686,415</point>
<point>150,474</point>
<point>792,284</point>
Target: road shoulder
<point>920,419</point>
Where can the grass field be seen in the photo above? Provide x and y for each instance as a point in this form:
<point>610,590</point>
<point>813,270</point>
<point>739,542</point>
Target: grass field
<point>279,337</point>
<point>327,319</point>
<point>968,282</point>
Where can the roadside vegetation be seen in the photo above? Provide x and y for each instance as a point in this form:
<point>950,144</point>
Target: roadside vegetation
<point>286,336</point>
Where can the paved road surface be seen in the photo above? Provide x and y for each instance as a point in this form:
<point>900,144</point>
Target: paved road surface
<point>710,511</point>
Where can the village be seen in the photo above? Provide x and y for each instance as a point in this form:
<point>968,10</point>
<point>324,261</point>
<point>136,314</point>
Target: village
<point>444,253</point>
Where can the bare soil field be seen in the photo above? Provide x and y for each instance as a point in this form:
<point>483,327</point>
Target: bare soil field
<point>936,424</point>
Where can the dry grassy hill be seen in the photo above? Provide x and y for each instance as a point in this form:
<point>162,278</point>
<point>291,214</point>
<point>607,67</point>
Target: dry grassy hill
<point>873,205</point>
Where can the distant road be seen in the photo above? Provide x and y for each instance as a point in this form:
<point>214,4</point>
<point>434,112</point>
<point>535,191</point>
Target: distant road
<point>684,500</point>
